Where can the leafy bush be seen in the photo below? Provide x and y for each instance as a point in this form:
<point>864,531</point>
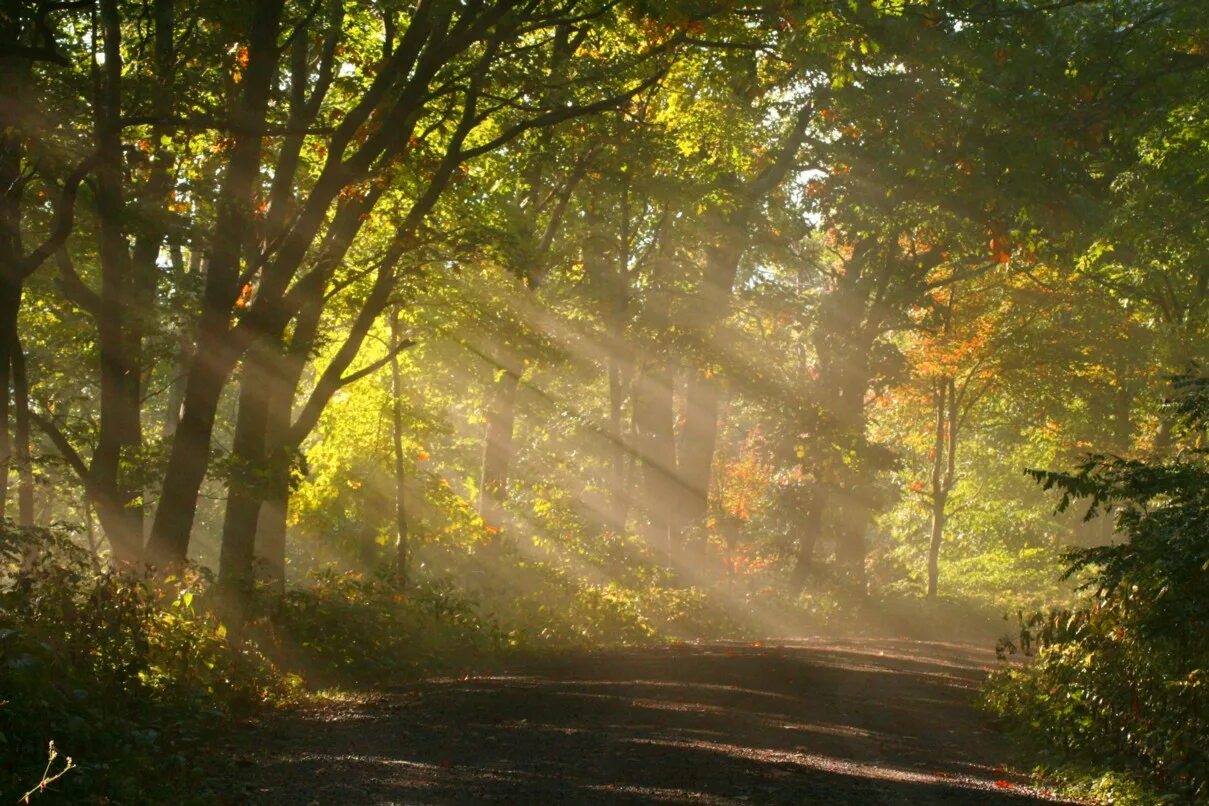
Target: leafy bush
<point>1125,678</point>
<point>355,628</point>
<point>122,669</point>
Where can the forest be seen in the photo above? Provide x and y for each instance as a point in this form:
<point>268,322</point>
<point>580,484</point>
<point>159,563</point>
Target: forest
<point>604,401</point>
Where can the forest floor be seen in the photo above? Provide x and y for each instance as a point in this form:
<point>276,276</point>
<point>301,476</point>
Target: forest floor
<point>814,721</point>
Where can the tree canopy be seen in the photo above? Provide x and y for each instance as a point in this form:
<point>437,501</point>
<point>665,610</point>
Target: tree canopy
<point>654,314</point>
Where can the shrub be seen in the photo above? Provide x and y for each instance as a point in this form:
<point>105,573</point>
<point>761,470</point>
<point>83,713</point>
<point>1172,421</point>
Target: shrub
<point>1124,678</point>
<point>121,668</point>
<point>351,628</point>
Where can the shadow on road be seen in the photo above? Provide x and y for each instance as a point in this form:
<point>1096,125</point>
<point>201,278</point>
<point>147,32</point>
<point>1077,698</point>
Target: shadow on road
<point>859,722</point>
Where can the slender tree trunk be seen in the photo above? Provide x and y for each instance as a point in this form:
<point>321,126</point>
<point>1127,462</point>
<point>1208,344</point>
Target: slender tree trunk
<point>176,392</point>
<point>621,368</point>
<point>939,396</point>
<point>90,532</point>
<point>944,472</point>
<point>702,393</point>
<point>700,438</point>
<point>10,302</point>
<point>497,445</point>
<point>619,498</point>
<point>812,519</point>
<point>654,425</point>
<point>396,421</point>
<point>939,501</point>
<point>25,468</point>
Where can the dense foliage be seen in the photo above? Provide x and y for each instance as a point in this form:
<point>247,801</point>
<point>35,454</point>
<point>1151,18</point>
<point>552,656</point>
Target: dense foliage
<point>361,339</point>
<point>1123,676</point>
<point>125,670</point>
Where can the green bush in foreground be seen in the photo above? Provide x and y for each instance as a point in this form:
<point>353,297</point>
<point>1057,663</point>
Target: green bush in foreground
<point>120,669</point>
<point>1121,684</point>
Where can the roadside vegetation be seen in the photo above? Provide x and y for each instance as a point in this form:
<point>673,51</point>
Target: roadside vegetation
<point>344,343</point>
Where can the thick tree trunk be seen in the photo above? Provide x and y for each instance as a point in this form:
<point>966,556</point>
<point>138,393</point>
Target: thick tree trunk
<point>245,487</point>
<point>215,356</point>
<point>176,384</point>
<point>15,109</point>
<point>271,530</point>
<point>271,533</point>
<point>120,435</point>
<point>189,458</point>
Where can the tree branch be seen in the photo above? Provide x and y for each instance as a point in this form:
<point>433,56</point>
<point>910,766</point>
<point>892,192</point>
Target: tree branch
<point>64,219</point>
<point>377,364</point>
<point>63,446</point>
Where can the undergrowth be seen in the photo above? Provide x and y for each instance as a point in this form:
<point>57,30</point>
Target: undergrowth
<point>123,671</point>
<point>1118,692</point>
<point>131,674</point>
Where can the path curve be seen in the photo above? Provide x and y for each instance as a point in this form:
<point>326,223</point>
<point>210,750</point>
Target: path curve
<point>812,721</point>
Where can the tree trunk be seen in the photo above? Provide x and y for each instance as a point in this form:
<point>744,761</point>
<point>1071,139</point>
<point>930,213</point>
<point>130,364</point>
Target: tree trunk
<point>271,526</point>
<point>606,258</point>
<point>812,519</point>
<point>396,421</point>
<point>10,303</point>
<point>119,438</point>
<point>700,437</point>
<point>15,113</point>
<point>283,434</point>
<point>944,471</point>
<point>176,393</point>
<point>619,494</point>
<point>497,447</point>
<point>25,468</point>
<point>245,487</point>
<point>215,356</point>
<point>271,533</point>
<point>851,548</point>
<point>189,458</point>
<point>653,424</point>
<point>938,530</point>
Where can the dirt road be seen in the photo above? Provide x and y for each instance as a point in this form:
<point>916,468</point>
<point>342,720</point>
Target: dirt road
<point>856,722</point>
